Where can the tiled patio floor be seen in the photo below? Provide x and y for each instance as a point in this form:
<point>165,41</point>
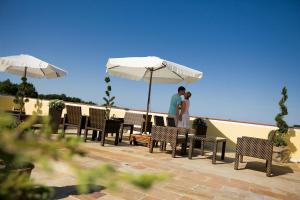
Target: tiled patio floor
<point>191,179</point>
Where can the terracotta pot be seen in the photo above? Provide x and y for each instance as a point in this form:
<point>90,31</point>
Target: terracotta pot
<point>281,154</point>
<point>25,171</point>
<point>55,118</point>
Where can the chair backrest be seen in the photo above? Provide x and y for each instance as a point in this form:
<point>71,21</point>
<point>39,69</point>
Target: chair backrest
<point>159,121</point>
<point>171,122</point>
<point>74,114</point>
<point>134,118</point>
<point>164,133</point>
<point>254,147</point>
<point>270,136</point>
<point>97,118</point>
<point>157,133</point>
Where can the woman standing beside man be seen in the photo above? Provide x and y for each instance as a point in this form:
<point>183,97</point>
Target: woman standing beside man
<point>179,107</point>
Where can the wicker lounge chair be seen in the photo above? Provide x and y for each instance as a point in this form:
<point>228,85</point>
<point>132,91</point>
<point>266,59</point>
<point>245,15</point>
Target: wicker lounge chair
<point>257,148</point>
<point>97,122</point>
<point>172,135</point>
<point>74,118</point>
<point>130,121</point>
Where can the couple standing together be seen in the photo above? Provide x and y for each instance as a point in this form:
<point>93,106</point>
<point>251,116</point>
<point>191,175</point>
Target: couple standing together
<point>179,107</point>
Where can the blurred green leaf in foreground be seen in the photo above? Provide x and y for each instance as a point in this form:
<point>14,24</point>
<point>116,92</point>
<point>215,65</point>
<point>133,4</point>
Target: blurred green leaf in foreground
<point>20,144</point>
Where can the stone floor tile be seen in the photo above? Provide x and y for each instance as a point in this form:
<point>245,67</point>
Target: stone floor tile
<point>190,179</point>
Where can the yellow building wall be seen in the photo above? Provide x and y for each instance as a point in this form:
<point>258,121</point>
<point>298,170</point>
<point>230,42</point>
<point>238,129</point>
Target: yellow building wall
<point>222,128</point>
<point>232,130</point>
<point>6,102</point>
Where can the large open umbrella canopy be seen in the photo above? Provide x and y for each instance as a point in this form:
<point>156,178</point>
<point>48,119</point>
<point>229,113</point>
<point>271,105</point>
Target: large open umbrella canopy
<point>29,66</point>
<point>151,69</point>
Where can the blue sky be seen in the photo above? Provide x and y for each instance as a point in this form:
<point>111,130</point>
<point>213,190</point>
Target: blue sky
<point>247,50</point>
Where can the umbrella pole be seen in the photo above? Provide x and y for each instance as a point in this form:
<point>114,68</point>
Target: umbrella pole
<point>148,102</point>
<point>25,73</point>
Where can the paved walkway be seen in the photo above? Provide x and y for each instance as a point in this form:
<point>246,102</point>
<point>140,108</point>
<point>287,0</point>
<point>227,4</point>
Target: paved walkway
<point>191,179</point>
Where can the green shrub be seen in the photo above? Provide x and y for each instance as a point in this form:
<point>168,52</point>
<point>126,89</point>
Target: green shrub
<point>283,127</point>
<point>109,101</point>
<point>57,104</point>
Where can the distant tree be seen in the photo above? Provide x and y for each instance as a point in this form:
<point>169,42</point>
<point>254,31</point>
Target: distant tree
<point>28,90</point>
<point>7,87</point>
<point>92,103</point>
<point>64,98</point>
<point>31,91</point>
<point>74,99</point>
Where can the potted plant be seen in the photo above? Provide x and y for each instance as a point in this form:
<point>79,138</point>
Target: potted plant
<point>55,110</point>
<point>200,126</point>
<point>12,164</point>
<point>109,101</point>
<point>20,98</point>
<point>280,149</point>
<point>21,168</point>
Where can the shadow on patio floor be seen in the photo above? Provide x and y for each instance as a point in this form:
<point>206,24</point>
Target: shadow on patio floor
<point>65,191</point>
<point>277,170</point>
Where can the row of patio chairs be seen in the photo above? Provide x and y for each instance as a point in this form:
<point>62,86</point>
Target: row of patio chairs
<point>160,132</point>
<point>96,121</point>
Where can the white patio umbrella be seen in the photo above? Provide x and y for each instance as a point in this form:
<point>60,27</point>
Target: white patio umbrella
<point>151,69</point>
<point>29,66</point>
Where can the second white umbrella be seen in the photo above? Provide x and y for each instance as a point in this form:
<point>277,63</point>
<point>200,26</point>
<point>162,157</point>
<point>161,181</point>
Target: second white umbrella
<point>151,69</point>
